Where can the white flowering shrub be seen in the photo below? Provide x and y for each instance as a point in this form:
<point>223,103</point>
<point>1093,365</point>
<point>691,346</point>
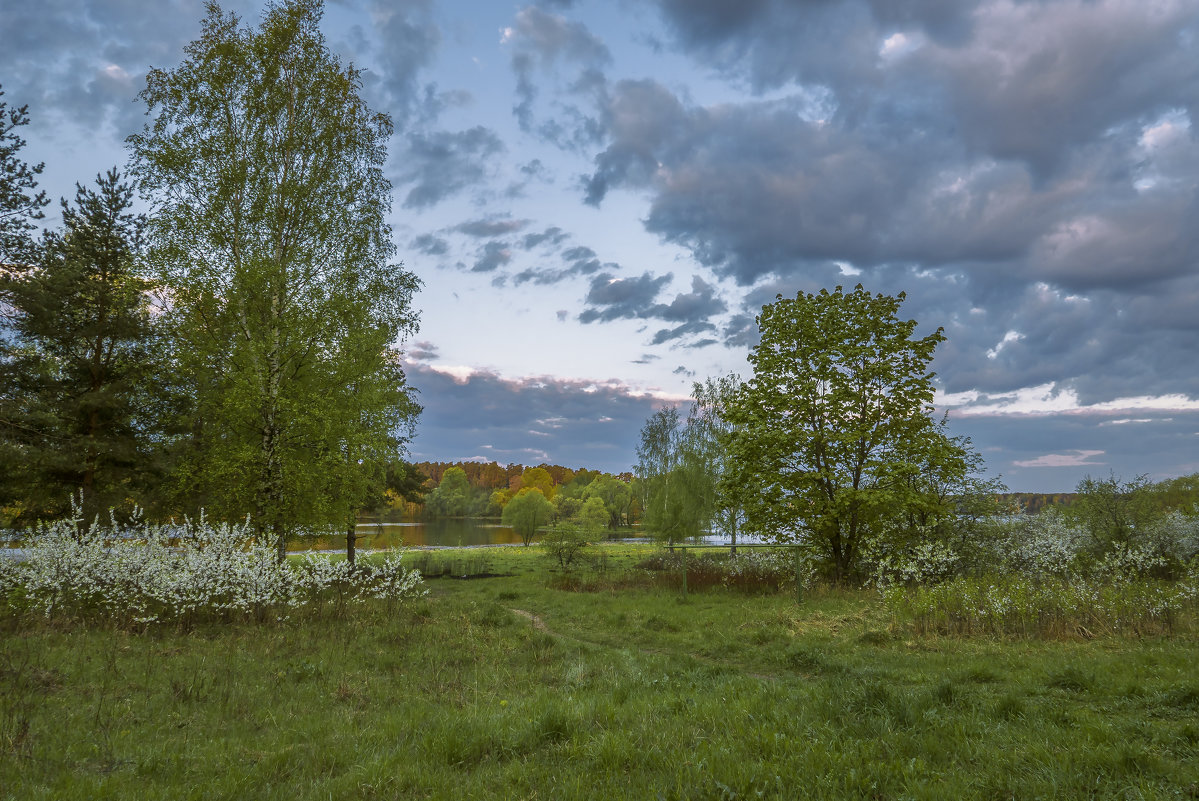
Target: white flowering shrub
<point>1046,544</point>
<point>928,562</point>
<point>145,573</point>
<point>1023,605</point>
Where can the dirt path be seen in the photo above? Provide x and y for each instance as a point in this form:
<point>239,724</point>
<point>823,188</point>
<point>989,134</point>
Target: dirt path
<point>539,625</point>
<point>537,622</point>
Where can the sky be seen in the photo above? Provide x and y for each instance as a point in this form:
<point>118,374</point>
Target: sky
<point>600,195</point>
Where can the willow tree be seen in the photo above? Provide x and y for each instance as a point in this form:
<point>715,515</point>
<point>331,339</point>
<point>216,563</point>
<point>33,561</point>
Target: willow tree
<point>678,490</point>
<point>265,170</point>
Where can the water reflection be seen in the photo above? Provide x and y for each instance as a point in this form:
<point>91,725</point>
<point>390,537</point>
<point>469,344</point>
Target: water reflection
<point>384,533</point>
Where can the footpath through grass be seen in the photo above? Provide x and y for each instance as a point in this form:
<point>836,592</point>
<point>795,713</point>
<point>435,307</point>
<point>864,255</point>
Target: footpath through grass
<point>511,687</point>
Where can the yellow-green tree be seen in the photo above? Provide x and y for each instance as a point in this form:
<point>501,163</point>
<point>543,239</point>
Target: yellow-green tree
<point>538,478</point>
<point>265,169</point>
<point>528,511</point>
<point>834,432</point>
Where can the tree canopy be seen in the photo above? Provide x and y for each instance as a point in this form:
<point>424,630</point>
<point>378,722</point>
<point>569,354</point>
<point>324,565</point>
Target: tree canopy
<point>835,426</point>
<point>20,202</point>
<point>268,232</point>
<point>528,511</point>
<point>80,367</point>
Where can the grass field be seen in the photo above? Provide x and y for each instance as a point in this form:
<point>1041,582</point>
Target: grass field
<point>514,686</point>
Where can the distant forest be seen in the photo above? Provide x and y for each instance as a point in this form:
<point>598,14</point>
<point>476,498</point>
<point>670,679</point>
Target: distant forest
<point>452,489</point>
<point>486,479</point>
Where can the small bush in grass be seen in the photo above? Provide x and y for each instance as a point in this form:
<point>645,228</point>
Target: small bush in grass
<point>747,570</point>
<point>564,543</point>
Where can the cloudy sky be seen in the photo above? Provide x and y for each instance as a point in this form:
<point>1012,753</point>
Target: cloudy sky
<point>599,195</point>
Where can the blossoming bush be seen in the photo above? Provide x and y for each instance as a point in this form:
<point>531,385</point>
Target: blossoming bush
<point>749,570</point>
<point>1024,605</point>
<point>1043,545</point>
<point>1044,574</point>
<point>146,573</point>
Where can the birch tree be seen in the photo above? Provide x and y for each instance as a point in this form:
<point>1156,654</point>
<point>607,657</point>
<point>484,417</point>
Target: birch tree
<point>264,167</point>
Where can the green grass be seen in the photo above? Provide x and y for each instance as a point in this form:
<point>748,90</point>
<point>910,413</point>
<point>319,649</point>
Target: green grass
<point>620,690</point>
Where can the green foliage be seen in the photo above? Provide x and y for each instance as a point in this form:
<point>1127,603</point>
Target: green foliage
<point>834,437</point>
<point>528,511</point>
<point>1180,494</point>
<point>269,232</point>
<point>565,542</point>
<point>19,203</point>
<point>452,497</point>
<point>79,407</point>
<point>1115,512</point>
<point>709,436</point>
<point>405,481</point>
<point>538,478</point>
<point>614,494</point>
<point>676,487</point>
<point>593,516</point>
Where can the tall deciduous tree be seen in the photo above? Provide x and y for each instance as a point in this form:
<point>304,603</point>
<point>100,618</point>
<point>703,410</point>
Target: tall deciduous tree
<point>709,436</point>
<point>81,360</point>
<point>265,168</point>
<point>835,426</point>
<point>677,492</point>
<point>452,497</point>
<point>528,511</point>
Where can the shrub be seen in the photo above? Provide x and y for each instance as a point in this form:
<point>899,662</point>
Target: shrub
<point>145,573</point>
<point>564,543</point>
<point>1024,605</point>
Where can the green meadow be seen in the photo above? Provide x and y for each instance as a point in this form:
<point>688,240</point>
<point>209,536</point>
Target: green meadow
<point>524,681</point>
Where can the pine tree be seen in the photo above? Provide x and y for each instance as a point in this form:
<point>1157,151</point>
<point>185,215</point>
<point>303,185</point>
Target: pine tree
<point>78,355</point>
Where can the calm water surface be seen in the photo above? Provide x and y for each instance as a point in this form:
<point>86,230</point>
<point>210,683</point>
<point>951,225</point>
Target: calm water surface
<point>393,531</point>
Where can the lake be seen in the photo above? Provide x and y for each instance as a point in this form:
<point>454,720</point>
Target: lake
<point>392,531</point>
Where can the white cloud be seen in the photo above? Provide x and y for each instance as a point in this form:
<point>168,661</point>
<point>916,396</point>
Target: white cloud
<point>1010,336</point>
<point>1047,399</point>
<point>1072,459</point>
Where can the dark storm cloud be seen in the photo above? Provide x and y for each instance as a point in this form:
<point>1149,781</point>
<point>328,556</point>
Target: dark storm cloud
<point>485,416</point>
<point>698,304</point>
<point>611,298</point>
<point>444,163</point>
<point>409,40</point>
<point>669,334</point>
<point>484,228</point>
<point>552,235</point>
<point>79,63</point>
<point>1028,172</point>
<point>1026,80</point>
<point>431,245</point>
<point>421,351</point>
<point>578,260</point>
<point>543,40</point>
<point>492,256</point>
<point>755,189</point>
